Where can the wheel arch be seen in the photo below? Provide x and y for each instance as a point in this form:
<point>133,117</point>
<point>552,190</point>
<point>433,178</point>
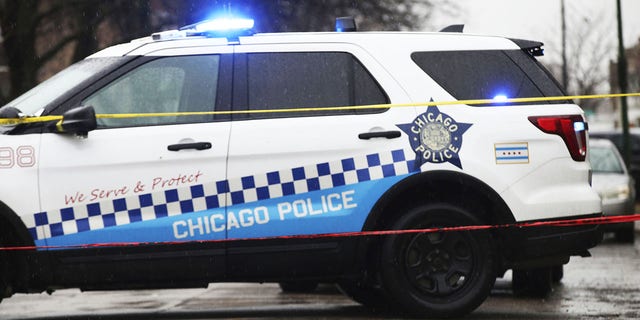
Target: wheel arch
<point>20,265</point>
<point>438,185</point>
<point>12,229</point>
<point>432,185</point>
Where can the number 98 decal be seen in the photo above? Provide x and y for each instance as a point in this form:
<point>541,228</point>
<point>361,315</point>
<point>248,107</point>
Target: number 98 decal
<point>23,156</point>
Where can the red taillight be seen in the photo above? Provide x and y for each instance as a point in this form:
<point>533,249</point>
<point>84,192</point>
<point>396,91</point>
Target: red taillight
<point>572,129</point>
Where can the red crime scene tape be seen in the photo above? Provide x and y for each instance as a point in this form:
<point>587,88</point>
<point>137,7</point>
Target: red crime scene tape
<point>555,223</point>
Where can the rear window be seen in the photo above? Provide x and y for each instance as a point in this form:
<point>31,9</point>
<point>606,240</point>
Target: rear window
<point>470,75</point>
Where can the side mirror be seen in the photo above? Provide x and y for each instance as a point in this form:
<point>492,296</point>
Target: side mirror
<point>78,121</point>
<point>8,112</point>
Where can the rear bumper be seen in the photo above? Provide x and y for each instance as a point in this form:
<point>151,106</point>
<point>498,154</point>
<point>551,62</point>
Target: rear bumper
<point>531,244</point>
<point>617,226</point>
<point>617,208</point>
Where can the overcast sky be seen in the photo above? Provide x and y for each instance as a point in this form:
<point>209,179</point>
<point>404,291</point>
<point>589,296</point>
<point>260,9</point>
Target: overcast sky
<point>540,19</point>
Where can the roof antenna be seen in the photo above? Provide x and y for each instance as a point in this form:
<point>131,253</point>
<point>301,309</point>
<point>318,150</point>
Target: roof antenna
<point>453,28</point>
<point>346,24</point>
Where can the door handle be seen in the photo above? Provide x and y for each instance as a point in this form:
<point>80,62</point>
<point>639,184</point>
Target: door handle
<point>380,134</point>
<point>192,145</point>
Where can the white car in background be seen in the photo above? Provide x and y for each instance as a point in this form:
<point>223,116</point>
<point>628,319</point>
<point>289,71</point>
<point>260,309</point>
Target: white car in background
<point>614,184</point>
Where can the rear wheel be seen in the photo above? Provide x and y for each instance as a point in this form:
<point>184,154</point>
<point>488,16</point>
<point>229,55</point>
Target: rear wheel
<point>557,273</point>
<point>537,282</point>
<point>440,274</point>
<point>367,295</point>
<point>626,234</point>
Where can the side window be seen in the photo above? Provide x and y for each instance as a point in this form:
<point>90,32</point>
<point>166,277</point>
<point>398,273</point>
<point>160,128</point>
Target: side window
<point>164,85</point>
<point>297,80</point>
<point>469,75</point>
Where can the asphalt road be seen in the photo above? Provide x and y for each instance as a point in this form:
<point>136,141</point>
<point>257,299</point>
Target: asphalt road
<point>605,286</point>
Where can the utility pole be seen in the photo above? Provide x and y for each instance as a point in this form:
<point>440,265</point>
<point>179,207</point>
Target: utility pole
<point>622,83</point>
<point>565,72</point>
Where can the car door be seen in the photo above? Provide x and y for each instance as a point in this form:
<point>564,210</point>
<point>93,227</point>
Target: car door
<point>141,183</point>
<point>302,169</point>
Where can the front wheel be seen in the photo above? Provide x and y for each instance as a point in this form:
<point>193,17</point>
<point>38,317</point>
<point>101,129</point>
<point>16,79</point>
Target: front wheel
<point>4,276</point>
<point>440,274</point>
<point>298,286</point>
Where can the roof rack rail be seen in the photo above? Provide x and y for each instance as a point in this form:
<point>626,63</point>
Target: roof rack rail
<point>453,28</point>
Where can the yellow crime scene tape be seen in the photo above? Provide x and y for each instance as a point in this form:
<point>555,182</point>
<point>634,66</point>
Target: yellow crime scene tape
<point>25,120</point>
<point>563,223</point>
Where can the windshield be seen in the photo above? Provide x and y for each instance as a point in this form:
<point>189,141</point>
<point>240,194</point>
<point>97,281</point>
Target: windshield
<point>605,160</point>
<point>32,102</point>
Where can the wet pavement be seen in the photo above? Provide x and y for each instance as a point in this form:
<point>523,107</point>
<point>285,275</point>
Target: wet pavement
<point>605,286</point>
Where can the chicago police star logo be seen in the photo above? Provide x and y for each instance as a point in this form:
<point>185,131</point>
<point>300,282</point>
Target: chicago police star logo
<point>435,137</point>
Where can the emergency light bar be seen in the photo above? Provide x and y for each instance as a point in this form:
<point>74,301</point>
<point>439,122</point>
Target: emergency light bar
<point>221,25</point>
<point>230,28</point>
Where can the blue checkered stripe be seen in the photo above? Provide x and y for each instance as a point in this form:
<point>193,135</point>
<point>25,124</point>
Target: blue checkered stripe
<point>212,195</point>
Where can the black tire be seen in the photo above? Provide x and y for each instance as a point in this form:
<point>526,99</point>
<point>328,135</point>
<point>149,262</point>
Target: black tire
<point>4,271</point>
<point>557,273</point>
<point>443,274</point>
<point>626,235</point>
<point>373,298</point>
<point>535,283</point>
<point>298,286</point>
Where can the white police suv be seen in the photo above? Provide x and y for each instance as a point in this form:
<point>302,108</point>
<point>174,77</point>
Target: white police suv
<point>198,155</point>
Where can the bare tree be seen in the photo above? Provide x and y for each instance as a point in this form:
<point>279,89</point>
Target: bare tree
<point>589,47</point>
<point>43,36</point>
<point>317,15</point>
<point>39,33</point>
<point>18,23</point>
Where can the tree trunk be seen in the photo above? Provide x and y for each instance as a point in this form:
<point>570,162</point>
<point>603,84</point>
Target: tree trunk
<point>19,22</point>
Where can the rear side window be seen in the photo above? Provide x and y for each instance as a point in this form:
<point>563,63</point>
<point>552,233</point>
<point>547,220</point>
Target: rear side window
<point>298,80</point>
<point>469,75</point>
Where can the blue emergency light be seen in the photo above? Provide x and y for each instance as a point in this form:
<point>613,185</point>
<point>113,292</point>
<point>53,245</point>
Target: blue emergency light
<point>500,98</point>
<point>222,25</point>
<point>227,27</point>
